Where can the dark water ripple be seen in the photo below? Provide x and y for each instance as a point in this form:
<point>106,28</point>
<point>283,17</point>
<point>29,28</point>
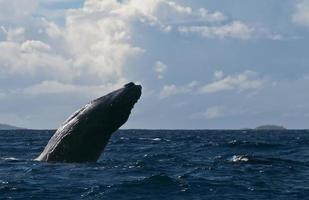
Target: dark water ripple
<point>143,164</point>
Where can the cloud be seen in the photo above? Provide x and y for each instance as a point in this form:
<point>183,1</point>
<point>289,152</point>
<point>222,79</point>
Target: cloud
<point>96,41</point>
<point>173,13</point>
<point>301,15</point>
<point>33,45</point>
<point>172,90</point>
<point>14,34</point>
<point>235,29</point>
<point>208,24</point>
<point>160,68</point>
<point>32,60</point>
<point>244,81</point>
<point>99,39</point>
<point>247,80</point>
<point>94,45</point>
<point>55,87</point>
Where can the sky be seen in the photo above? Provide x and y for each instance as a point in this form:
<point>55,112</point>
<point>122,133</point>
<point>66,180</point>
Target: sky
<point>203,64</point>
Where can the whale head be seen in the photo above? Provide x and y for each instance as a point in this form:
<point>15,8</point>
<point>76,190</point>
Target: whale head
<point>84,135</point>
<point>109,112</point>
<point>115,107</point>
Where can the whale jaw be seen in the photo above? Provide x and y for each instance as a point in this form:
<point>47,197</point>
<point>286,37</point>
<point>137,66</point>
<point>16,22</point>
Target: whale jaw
<point>84,135</point>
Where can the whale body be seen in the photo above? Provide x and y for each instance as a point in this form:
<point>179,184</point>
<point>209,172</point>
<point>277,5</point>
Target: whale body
<point>84,135</point>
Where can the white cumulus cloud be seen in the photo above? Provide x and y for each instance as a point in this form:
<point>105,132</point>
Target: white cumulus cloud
<point>14,34</point>
<point>30,59</point>
<point>246,80</point>
<point>234,29</point>
<point>172,90</point>
<point>55,87</point>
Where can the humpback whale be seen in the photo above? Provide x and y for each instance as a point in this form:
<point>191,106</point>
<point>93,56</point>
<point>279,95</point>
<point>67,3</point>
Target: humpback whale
<point>84,135</point>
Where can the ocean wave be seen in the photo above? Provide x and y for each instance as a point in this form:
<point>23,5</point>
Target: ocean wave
<point>239,158</point>
<point>161,182</point>
<point>10,159</point>
<point>252,144</point>
<point>155,139</point>
<point>156,184</point>
<point>264,160</point>
<point>125,140</point>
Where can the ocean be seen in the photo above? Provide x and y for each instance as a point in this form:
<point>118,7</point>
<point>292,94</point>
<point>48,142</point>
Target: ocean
<point>163,164</point>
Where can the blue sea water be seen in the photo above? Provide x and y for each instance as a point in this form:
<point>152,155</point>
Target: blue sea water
<point>161,164</point>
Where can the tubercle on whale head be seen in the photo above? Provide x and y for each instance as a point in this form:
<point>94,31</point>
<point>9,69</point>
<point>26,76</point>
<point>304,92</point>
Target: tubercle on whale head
<point>131,84</point>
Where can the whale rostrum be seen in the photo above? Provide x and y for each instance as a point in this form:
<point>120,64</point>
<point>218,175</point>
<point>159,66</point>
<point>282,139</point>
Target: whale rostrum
<point>84,135</point>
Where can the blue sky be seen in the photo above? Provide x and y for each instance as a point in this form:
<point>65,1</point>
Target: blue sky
<point>203,64</point>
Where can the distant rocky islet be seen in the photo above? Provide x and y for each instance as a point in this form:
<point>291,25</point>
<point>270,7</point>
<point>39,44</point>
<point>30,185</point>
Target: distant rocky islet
<point>270,127</point>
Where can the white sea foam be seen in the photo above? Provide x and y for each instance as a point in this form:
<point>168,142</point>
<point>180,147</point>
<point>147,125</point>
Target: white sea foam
<point>239,158</point>
<point>9,158</point>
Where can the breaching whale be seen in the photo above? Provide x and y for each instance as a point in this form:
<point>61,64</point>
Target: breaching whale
<point>84,135</point>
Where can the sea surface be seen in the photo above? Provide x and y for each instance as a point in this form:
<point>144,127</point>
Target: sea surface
<point>161,164</point>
